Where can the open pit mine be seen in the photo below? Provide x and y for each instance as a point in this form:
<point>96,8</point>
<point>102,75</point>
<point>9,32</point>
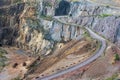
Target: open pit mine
<point>59,39</point>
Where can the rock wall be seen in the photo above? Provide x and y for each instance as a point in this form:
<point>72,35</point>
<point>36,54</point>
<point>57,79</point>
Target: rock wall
<point>9,22</point>
<point>31,25</point>
<point>41,35</point>
<point>8,2</point>
<point>103,19</point>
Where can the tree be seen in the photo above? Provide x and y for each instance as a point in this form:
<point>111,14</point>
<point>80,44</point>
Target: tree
<point>117,58</point>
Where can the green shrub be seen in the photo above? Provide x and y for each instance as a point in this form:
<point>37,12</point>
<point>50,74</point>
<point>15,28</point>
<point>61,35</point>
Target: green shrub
<point>113,77</point>
<point>3,58</point>
<point>17,1</point>
<point>117,58</point>
<point>49,18</point>
<point>17,78</point>
<point>105,15</point>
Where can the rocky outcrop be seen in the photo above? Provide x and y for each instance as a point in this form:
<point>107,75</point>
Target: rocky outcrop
<point>40,34</point>
<point>65,32</point>
<point>31,25</point>
<point>102,19</point>
<point>46,7</point>
<point>9,22</point>
<point>117,37</point>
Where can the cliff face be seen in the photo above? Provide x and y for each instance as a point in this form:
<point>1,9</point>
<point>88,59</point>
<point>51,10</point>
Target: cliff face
<point>40,33</point>
<point>103,19</point>
<point>9,21</point>
<point>30,24</point>
<point>8,2</point>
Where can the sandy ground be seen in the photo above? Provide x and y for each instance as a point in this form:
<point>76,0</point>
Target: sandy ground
<point>15,56</point>
<point>68,55</point>
<point>100,69</point>
<point>64,56</point>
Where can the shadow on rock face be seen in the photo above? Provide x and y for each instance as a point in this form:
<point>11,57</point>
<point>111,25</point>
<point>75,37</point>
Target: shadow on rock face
<point>5,2</point>
<point>63,9</point>
<point>0,44</point>
<point>117,36</point>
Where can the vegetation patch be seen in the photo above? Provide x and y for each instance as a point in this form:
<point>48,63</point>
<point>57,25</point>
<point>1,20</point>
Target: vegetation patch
<point>3,58</point>
<point>105,15</point>
<point>87,36</point>
<point>17,1</point>
<point>117,57</point>
<point>75,0</point>
<point>49,18</point>
<point>113,77</point>
<point>17,78</point>
<point>46,3</point>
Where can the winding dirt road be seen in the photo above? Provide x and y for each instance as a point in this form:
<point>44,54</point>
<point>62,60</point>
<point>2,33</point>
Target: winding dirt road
<point>88,61</point>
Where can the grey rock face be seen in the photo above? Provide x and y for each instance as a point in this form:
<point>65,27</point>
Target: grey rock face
<point>41,35</point>
<point>117,36</point>
<point>102,19</point>
<point>106,27</point>
<point>56,31</point>
<point>65,32</point>
<point>5,2</point>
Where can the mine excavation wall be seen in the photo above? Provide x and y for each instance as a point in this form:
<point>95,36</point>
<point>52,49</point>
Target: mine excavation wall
<point>37,31</point>
<point>9,21</point>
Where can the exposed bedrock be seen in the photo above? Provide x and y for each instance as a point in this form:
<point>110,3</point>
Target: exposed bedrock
<point>8,2</point>
<point>41,35</point>
<point>65,32</point>
<point>103,19</point>
<point>9,23</point>
<point>37,31</point>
